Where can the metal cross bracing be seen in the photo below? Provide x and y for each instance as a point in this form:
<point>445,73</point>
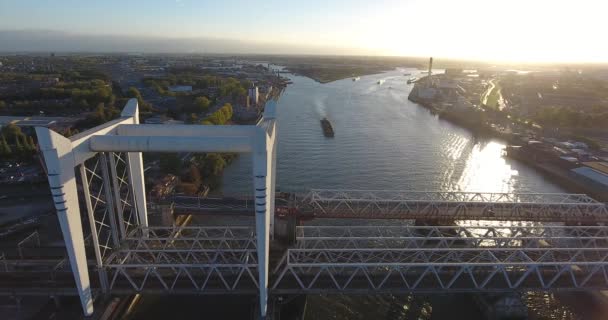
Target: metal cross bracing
<point>109,203</point>
<point>199,260</point>
<point>440,205</point>
<point>354,237</point>
<point>449,258</point>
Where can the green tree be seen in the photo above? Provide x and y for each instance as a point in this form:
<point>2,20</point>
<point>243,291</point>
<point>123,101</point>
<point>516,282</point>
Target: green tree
<point>30,143</point>
<point>12,131</point>
<point>193,118</point>
<point>134,93</point>
<point>5,149</point>
<point>143,105</point>
<point>214,164</point>
<point>100,113</point>
<point>202,104</point>
<point>19,147</point>
<point>2,105</point>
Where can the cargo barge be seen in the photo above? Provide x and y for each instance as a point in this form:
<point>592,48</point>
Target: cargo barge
<point>328,130</point>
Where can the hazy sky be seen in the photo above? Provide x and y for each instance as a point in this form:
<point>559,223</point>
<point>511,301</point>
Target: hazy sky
<point>538,30</point>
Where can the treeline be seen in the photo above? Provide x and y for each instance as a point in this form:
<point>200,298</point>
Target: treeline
<point>14,144</point>
<point>193,106</point>
<point>226,86</point>
<point>567,117</point>
<point>102,114</point>
<point>77,92</point>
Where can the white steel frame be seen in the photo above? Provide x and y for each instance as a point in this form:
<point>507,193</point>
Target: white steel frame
<point>109,164</point>
<point>199,260</point>
<point>353,259</point>
<point>395,204</point>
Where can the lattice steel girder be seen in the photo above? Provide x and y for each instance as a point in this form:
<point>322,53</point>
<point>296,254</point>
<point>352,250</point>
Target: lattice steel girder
<point>184,278</point>
<point>452,205</point>
<point>449,256</point>
<point>432,258</point>
<point>175,259</point>
<point>451,236</point>
<point>457,269</point>
<point>192,238</point>
<point>172,269</point>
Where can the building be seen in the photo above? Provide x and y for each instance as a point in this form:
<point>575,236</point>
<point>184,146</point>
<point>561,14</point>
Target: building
<point>592,177</point>
<point>254,95</point>
<point>598,166</point>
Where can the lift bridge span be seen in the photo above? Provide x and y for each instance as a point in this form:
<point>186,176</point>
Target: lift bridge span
<point>396,204</point>
<point>557,242</point>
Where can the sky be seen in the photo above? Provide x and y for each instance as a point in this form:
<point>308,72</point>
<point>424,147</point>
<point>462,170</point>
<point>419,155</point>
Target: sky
<point>513,30</point>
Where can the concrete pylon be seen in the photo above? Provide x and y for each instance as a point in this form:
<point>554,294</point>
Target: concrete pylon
<point>261,185</point>
<point>59,159</point>
<point>136,170</point>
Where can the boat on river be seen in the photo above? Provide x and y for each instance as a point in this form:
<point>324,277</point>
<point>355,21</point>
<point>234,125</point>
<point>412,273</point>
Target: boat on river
<point>328,130</point>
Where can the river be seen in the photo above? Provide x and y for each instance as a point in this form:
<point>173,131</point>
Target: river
<point>382,141</point>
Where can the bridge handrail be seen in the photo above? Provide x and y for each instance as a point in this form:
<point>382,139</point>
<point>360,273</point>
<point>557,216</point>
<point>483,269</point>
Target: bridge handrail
<point>143,266</point>
<point>447,196</point>
<point>423,249</point>
<point>173,250</point>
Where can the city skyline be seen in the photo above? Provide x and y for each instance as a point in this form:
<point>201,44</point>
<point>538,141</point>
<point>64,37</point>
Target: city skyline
<point>519,31</point>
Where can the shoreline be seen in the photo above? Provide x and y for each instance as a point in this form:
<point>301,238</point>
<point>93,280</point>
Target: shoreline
<point>474,128</point>
<point>559,176</point>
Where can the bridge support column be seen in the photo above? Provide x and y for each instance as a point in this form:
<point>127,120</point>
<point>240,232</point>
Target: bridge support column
<point>136,173</point>
<point>60,163</point>
<point>261,185</point>
<point>136,178</point>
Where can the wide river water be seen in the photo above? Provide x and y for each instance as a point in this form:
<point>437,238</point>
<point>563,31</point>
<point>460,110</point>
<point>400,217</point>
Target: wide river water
<point>382,141</point>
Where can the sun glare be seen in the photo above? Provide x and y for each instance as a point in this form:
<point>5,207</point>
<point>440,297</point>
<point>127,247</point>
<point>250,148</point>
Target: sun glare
<point>549,31</point>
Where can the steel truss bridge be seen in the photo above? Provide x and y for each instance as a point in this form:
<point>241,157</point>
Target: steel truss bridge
<point>551,242</point>
<point>443,258</point>
<point>431,205</point>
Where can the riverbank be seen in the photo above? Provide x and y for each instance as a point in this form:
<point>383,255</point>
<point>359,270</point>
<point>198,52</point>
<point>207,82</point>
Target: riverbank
<point>473,122</point>
<point>557,174</point>
<point>466,120</point>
